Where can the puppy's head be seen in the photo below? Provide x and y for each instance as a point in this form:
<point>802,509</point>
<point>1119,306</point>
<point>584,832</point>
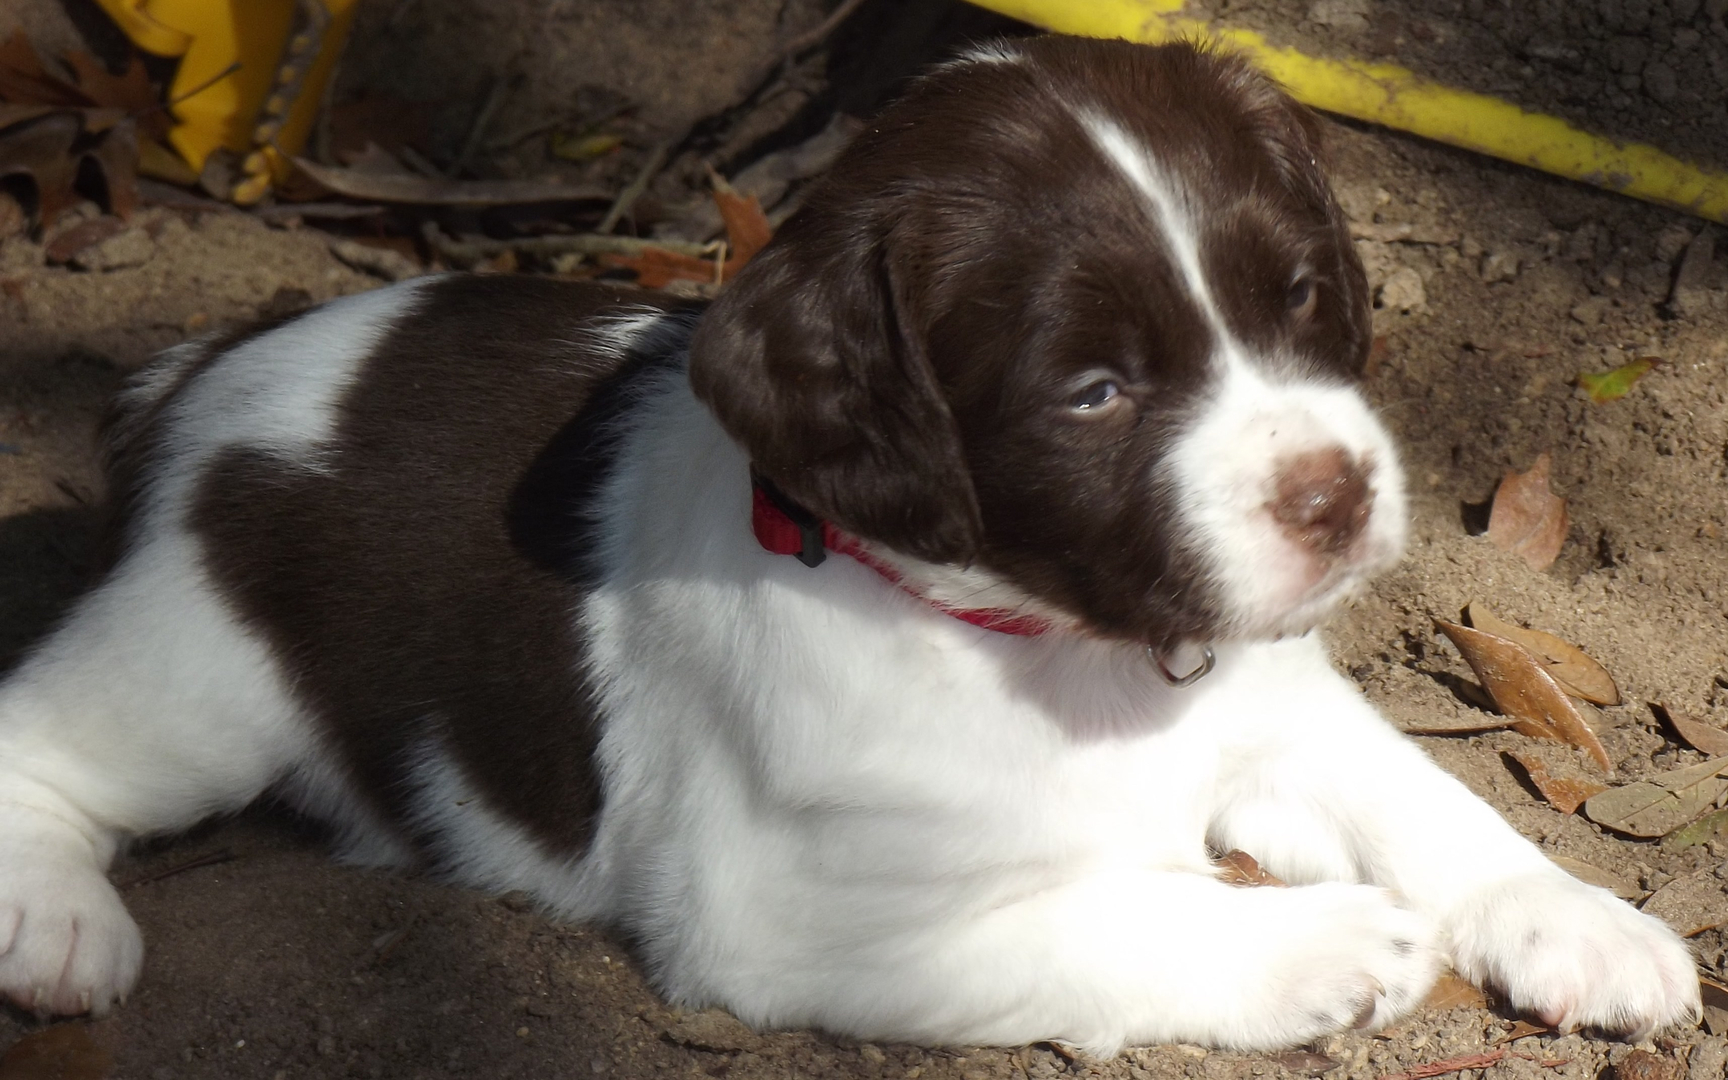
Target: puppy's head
<point>1085,317</point>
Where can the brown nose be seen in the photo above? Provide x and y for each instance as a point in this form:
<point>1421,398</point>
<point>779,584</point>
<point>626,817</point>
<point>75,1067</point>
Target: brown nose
<point>1322,500</point>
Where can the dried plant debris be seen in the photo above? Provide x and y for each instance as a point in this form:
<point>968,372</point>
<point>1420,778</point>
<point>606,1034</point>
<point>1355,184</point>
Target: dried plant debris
<point>1564,793</point>
<point>1528,519</point>
<point>1570,666</point>
<point>408,188</point>
<point>1691,904</point>
<point>1240,868</point>
<point>1605,386</point>
<point>1451,992</point>
<point>1595,875</point>
<point>64,1052</point>
<point>1663,803</point>
<point>48,147</point>
<point>1522,689</point>
<point>1701,737</point>
<point>1707,828</point>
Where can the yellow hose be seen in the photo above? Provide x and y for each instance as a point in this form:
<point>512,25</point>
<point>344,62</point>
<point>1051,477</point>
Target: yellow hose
<point>1397,98</point>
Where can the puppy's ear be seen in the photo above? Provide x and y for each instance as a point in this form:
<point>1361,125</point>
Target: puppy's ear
<point>813,359</point>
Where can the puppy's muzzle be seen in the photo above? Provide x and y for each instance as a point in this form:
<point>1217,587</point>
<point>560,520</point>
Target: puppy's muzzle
<point>1322,501</point>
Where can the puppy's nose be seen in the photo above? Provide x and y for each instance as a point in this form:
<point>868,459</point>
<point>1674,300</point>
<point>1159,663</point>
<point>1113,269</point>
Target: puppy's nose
<point>1321,499</point>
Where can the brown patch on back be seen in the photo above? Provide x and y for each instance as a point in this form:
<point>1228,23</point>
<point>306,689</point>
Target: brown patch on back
<point>389,583</point>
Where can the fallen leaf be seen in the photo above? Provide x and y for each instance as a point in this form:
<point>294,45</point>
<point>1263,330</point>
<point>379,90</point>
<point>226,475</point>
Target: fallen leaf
<point>1661,804</point>
<point>1240,868</point>
<point>1306,1062</point>
<point>1595,875</point>
<point>1576,673</point>
<point>583,147</point>
<point>1705,829</point>
<point>1451,992</point>
<point>1528,519</point>
<point>424,191</point>
<point>1606,386</point>
<point>656,267</point>
<point>61,1052</point>
<point>1565,794</point>
<point>1522,1029</point>
<point>1701,737</point>
<point>68,244</point>
<point>747,228</point>
<point>25,80</point>
<point>1523,689</point>
<point>1715,997</point>
<point>1691,904</point>
<point>49,146</point>
<point>130,91</point>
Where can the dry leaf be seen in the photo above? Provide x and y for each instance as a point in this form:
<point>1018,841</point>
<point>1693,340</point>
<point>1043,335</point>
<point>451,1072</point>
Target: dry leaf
<point>1240,868</point>
<point>1701,737</point>
<point>747,228</point>
<point>1606,386</point>
<point>61,1052</point>
<point>1523,689</point>
<point>423,191</point>
<point>68,244</point>
<point>1451,992</point>
<point>1576,673</point>
<point>1705,829</point>
<point>1528,519</point>
<point>1690,904</point>
<point>1661,804</point>
<point>1522,1029</point>
<point>50,145</point>
<point>656,267</point>
<point>1306,1062</point>
<point>1595,875</point>
<point>1643,1065</point>
<point>1565,794</point>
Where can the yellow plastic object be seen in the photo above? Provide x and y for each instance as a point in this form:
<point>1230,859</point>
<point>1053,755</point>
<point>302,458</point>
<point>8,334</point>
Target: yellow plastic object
<point>1397,98</point>
<point>250,79</point>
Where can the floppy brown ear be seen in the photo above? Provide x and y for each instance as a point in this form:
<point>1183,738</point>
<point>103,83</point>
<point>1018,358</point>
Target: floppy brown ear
<point>812,359</point>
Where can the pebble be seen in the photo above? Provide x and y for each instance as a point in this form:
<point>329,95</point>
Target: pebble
<point>1660,82</point>
<point>1589,312</point>
<point>125,249</point>
<point>1404,291</point>
<point>1709,1060</point>
<point>1499,266</point>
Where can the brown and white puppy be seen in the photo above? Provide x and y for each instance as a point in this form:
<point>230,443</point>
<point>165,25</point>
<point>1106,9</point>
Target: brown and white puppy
<point>1049,390</point>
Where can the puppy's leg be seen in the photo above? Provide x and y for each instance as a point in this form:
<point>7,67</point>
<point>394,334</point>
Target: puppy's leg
<point>149,709</point>
<point>1337,793</point>
<point>1118,956</point>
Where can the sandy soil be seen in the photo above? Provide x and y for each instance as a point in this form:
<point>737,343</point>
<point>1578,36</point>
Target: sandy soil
<point>277,963</point>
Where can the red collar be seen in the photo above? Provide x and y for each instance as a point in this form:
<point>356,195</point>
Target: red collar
<point>785,528</point>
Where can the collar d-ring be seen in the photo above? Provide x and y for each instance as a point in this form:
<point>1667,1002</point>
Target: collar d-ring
<point>1200,670</point>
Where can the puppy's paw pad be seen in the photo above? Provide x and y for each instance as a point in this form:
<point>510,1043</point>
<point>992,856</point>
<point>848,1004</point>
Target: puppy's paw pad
<point>71,946</point>
<point>1576,956</point>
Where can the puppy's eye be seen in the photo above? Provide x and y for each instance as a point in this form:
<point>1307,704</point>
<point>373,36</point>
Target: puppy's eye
<point>1095,396</point>
<point>1300,296</point>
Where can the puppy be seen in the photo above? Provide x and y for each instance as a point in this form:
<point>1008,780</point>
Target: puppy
<point>883,648</point>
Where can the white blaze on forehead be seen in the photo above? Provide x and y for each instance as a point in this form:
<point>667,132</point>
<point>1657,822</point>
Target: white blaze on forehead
<point>1168,202</point>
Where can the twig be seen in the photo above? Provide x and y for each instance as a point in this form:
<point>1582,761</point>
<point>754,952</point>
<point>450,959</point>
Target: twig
<point>546,247</point>
<point>200,862</point>
<point>633,191</point>
<point>814,36</point>
<point>482,120</point>
<point>1448,1065</point>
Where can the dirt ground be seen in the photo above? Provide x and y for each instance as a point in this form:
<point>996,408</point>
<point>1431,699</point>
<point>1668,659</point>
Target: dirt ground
<point>269,961</point>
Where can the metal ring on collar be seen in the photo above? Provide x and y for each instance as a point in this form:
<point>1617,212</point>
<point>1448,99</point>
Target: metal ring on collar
<point>1179,681</point>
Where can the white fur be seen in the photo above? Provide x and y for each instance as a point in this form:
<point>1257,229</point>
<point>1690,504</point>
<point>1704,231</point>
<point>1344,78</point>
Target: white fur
<point>152,706</point>
<point>826,803</point>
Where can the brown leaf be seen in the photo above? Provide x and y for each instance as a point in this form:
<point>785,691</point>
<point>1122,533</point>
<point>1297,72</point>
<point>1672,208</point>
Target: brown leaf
<point>1240,868</point>
<point>68,244</point>
<point>1306,1062</point>
<point>747,228</point>
<point>1701,737</point>
<point>1643,1065</point>
<point>1528,519</point>
<point>1595,875</point>
<point>1576,673</point>
<point>61,1052</point>
<point>424,191</point>
<point>1521,1029</point>
<point>656,267</point>
<point>1691,903</point>
<point>1661,804</point>
<point>1565,794</point>
<point>1522,688</point>
<point>130,91</point>
<point>25,81</point>
<point>1451,992</point>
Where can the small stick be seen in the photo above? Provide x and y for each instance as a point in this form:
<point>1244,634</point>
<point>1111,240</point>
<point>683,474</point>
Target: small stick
<point>813,37</point>
<point>200,862</point>
<point>633,191</point>
<point>546,247</point>
<point>1448,1065</point>
<point>482,120</point>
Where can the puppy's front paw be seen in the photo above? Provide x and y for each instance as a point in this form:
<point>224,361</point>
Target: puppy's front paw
<point>1340,956</point>
<point>1575,956</point>
<point>67,944</point>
